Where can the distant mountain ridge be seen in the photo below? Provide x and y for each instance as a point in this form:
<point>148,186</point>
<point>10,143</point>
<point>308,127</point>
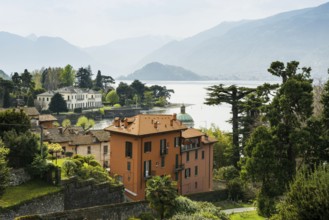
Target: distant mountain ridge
<point>245,49</point>
<point>158,71</point>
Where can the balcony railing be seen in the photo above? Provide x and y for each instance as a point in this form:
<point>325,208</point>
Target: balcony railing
<point>179,167</point>
<point>149,174</point>
<point>188,147</point>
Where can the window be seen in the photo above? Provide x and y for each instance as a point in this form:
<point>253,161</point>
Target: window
<point>196,154</point>
<point>196,185</point>
<point>196,170</point>
<point>129,149</point>
<point>106,149</point>
<point>147,168</point>
<point>147,146</point>
<point>177,141</point>
<point>106,164</point>
<point>162,161</point>
<point>47,99</point>
<point>202,154</point>
<point>88,150</point>
<point>163,146</point>
<point>176,161</point>
<point>187,156</point>
<point>187,172</point>
<point>128,166</point>
<point>63,150</point>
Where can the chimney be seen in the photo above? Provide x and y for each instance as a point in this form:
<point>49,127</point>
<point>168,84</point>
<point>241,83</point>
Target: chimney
<point>60,129</point>
<point>117,122</point>
<point>174,116</point>
<point>156,124</point>
<point>125,121</point>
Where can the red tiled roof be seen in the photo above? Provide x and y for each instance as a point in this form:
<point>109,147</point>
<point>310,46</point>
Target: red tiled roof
<point>145,124</point>
<point>49,117</point>
<point>191,132</point>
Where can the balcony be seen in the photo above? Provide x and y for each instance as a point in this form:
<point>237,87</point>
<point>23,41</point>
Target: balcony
<point>149,175</point>
<point>179,167</point>
<point>188,147</point>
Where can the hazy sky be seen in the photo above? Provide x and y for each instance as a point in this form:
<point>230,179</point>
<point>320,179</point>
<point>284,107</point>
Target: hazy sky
<point>96,22</point>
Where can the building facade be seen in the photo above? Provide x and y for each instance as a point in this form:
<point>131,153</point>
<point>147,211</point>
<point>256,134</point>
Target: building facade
<point>197,157</point>
<point>74,97</point>
<point>144,146</point>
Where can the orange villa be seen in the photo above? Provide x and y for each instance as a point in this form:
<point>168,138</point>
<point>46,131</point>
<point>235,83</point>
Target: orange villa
<point>197,157</point>
<point>143,146</point>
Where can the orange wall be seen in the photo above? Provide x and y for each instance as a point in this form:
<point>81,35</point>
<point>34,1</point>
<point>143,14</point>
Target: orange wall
<point>202,182</point>
<point>133,180</point>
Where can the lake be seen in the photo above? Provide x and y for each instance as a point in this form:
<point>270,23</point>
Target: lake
<point>193,94</point>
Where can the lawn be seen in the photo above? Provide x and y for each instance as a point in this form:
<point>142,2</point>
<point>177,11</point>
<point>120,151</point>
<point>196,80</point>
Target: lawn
<point>246,216</point>
<point>227,204</point>
<point>16,194</point>
<point>59,163</point>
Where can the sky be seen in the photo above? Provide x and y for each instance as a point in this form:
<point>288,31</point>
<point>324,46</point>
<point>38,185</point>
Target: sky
<point>95,22</point>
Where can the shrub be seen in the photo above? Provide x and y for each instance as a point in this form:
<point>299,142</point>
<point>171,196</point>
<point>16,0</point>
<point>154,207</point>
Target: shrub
<point>228,173</point>
<point>117,106</point>
<point>146,216</point>
<point>69,167</point>
<point>184,205</point>
<point>38,167</point>
<point>68,154</point>
<point>77,110</point>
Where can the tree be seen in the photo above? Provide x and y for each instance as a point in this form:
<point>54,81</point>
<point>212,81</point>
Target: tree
<point>138,88</point>
<point>66,123</point>
<point>232,95</point>
<point>125,92</point>
<point>85,123</point>
<point>4,171</point>
<point>112,97</point>
<point>148,99</point>
<point>58,104</point>
<point>307,197</point>
<point>84,78</point>
<point>98,81</point>
<point>23,148</point>
<point>6,86</point>
<point>54,148</point>
<point>161,193</point>
<point>14,120</point>
<point>67,76</point>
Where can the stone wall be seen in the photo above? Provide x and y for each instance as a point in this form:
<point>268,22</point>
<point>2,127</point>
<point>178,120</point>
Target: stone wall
<point>87,194</point>
<point>18,176</point>
<point>74,195</point>
<point>45,204</point>
<point>107,212</point>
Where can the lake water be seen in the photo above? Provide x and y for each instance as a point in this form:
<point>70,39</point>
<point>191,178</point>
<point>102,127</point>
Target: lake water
<point>193,94</point>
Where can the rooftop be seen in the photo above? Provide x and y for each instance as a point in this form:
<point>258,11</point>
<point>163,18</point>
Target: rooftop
<point>49,117</point>
<point>145,124</point>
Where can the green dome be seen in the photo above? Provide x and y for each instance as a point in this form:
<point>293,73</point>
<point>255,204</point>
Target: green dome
<point>185,118</point>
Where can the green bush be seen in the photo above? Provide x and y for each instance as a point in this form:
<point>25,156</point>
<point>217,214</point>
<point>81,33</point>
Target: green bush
<point>227,173</point>
<point>117,106</point>
<point>184,205</point>
<point>69,167</point>
<point>77,110</point>
<point>68,154</point>
<point>146,216</point>
<point>235,189</point>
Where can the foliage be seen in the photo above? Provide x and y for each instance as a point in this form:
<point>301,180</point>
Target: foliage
<point>58,104</point>
<point>112,97</point>
<point>148,99</point>
<point>4,171</point>
<point>227,173</point>
<point>102,111</point>
<point>17,194</point>
<point>67,76</point>
<point>69,167</point>
<point>6,86</point>
<point>184,205</point>
<point>14,120</point>
<point>66,123</point>
<point>117,106</point>
<point>23,148</point>
<point>222,148</point>
<point>38,167</point>
<point>84,78</point>
<point>307,197</point>
<point>51,78</point>
<point>54,148</point>
<point>235,189</point>
<point>85,123</point>
<point>161,193</point>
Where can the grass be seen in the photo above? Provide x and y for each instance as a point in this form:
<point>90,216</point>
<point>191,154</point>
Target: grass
<point>246,216</point>
<point>59,163</point>
<point>227,204</point>
<point>17,194</point>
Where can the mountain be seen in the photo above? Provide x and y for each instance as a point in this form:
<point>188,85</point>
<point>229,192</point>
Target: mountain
<point>158,71</point>
<point>245,49</point>
<point>3,75</point>
<point>123,54</point>
<point>19,53</point>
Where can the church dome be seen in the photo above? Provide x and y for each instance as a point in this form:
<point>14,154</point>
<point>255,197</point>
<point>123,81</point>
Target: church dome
<point>185,118</point>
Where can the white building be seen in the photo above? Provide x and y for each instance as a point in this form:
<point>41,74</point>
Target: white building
<point>74,97</point>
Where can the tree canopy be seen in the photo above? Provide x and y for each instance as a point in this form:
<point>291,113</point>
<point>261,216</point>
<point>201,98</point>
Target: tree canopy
<point>58,104</point>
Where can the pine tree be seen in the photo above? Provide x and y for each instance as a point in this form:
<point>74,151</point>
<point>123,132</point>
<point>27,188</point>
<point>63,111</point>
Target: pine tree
<point>58,104</point>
